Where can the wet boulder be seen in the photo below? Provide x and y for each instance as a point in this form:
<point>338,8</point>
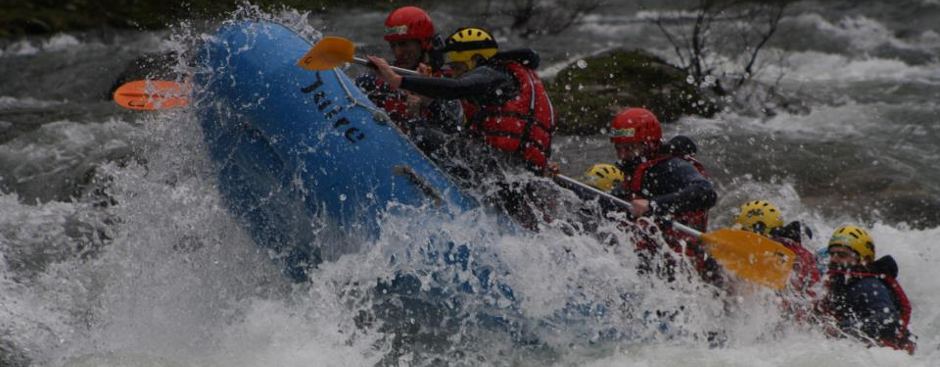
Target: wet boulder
<point>588,93</point>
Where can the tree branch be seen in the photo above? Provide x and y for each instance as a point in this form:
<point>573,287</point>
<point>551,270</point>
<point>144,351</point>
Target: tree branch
<point>773,22</point>
<point>675,44</point>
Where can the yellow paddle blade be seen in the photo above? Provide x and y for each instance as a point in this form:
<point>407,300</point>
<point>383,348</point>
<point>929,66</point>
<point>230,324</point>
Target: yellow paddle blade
<point>149,95</point>
<point>329,53</point>
<point>751,256</point>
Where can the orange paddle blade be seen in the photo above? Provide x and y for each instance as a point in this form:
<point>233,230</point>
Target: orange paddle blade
<point>149,95</point>
<point>329,53</point>
<point>751,256</point>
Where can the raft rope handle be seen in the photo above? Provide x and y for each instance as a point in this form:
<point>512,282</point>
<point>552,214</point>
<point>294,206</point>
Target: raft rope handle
<point>420,182</point>
<point>377,113</point>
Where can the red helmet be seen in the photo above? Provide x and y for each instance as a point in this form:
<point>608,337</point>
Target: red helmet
<point>409,23</point>
<point>635,125</point>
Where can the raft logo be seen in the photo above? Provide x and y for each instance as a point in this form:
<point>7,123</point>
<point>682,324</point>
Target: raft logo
<point>323,103</point>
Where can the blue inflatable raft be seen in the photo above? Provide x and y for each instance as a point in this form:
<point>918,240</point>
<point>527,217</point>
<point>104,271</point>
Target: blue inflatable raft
<point>297,150</point>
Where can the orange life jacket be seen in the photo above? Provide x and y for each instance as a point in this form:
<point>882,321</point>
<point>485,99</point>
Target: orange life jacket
<point>522,125</point>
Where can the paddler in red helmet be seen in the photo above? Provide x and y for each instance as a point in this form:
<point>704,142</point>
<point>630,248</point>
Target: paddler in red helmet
<point>663,182</point>
<point>410,34</point>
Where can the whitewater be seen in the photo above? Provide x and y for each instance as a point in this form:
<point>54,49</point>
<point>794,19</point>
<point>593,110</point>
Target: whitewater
<point>116,248</point>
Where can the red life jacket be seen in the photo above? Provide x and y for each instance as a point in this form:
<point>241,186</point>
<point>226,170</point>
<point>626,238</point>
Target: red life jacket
<point>522,125</point>
<point>902,339</point>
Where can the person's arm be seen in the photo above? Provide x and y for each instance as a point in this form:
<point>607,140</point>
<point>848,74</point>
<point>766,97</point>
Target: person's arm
<point>696,191</point>
<point>478,82</point>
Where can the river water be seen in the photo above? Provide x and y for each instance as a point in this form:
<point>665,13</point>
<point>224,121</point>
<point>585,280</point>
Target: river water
<point>117,251</point>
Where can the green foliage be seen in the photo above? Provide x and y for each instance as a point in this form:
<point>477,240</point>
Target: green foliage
<point>587,98</point>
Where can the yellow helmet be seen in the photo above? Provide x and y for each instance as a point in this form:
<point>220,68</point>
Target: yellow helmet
<point>759,216</point>
<point>463,44</point>
<point>856,239</point>
<point>603,176</point>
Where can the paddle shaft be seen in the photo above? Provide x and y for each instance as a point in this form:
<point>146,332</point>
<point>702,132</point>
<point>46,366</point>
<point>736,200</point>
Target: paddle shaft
<point>679,226</point>
<point>396,69</point>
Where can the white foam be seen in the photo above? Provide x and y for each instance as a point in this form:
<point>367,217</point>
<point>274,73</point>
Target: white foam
<point>55,43</point>
<point>862,33</point>
<point>46,161</point>
<point>821,67</point>
<point>796,350</point>
<point>652,15</point>
<point>282,334</point>
<point>21,48</point>
<point>849,120</point>
<point>7,103</point>
<point>33,237</point>
<point>610,25</point>
<point>60,42</point>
